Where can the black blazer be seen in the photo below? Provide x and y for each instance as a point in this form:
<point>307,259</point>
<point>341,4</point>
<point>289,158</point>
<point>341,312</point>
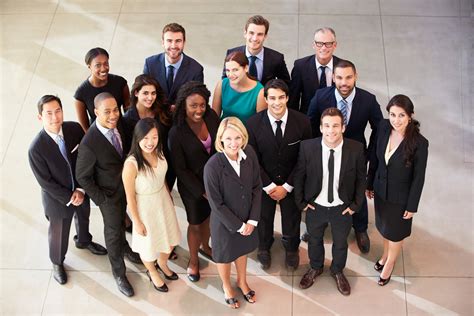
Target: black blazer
<point>277,164</point>
<point>274,66</point>
<point>99,165</point>
<point>365,109</point>
<point>395,182</point>
<point>189,70</point>
<point>52,171</point>
<point>305,82</point>
<point>189,156</point>
<point>309,173</point>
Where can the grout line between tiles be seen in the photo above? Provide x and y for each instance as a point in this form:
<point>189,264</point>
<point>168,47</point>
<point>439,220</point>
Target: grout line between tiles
<point>116,25</point>
<point>384,53</point>
<point>46,293</point>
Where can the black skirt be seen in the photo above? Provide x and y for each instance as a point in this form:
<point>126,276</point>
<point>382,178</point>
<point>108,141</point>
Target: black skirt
<point>197,210</point>
<point>389,220</point>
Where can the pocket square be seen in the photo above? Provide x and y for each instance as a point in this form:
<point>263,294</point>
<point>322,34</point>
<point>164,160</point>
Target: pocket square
<point>294,143</point>
<point>75,148</point>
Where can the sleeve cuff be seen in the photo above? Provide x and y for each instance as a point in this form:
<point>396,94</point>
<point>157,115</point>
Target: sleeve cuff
<point>269,187</point>
<point>287,187</point>
<point>241,228</point>
<point>81,190</point>
<point>252,222</point>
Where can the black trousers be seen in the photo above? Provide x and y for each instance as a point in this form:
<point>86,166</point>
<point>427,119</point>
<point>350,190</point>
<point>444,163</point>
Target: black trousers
<point>290,222</point>
<point>59,227</point>
<point>113,213</point>
<point>316,221</point>
<point>360,219</point>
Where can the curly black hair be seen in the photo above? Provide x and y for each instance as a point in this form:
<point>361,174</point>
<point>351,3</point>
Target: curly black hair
<point>186,90</point>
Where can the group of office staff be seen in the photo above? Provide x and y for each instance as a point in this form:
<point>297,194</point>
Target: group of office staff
<point>266,140</point>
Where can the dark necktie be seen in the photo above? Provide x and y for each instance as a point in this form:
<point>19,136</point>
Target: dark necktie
<point>343,108</point>
<point>331,176</point>
<point>253,67</point>
<point>279,133</point>
<point>170,78</point>
<point>116,142</point>
<point>322,80</point>
<point>63,150</point>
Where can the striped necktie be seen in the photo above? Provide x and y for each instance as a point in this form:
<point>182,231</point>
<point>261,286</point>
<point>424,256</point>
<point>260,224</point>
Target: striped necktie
<point>343,108</point>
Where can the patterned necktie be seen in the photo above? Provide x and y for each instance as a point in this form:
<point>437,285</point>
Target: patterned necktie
<point>253,67</point>
<point>331,176</point>
<point>170,78</point>
<point>343,108</point>
<point>115,141</point>
<point>279,133</point>
<point>322,81</point>
<point>63,150</point>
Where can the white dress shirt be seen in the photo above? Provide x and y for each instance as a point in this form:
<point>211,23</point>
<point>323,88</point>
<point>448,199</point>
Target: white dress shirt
<point>322,198</point>
<point>105,132</point>
<point>349,100</point>
<point>258,62</point>
<point>329,68</point>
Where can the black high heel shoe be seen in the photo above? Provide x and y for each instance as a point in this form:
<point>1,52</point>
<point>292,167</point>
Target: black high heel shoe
<point>378,266</point>
<point>172,277</point>
<point>249,297</point>
<point>193,277</point>
<point>383,282</point>
<point>163,288</point>
<point>232,302</point>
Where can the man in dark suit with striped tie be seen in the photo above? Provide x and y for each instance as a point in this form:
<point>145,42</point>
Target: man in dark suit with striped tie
<point>52,157</point>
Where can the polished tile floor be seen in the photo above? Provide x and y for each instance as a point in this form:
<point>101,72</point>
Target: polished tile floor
<point>422,48</point>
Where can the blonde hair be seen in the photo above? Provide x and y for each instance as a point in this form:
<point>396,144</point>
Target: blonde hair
<point>235,124</point>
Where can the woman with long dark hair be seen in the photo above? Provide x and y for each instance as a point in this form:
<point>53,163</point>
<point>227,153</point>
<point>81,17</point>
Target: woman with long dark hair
<point>191,139</point>
<point>396,178</point>
<point>155,226</point>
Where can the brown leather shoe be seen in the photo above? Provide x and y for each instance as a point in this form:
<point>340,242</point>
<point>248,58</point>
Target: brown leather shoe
<point>308,278</point>
<point>342,284</point>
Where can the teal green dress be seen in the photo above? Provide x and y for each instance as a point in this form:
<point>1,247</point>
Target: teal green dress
<point>240,104</point>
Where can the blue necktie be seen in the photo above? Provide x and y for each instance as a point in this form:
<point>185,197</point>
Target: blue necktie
<point>115,141</point>
<point>253,67</point>
<point>63,150</point>
<point>343,108</point>
<point>322,81</point>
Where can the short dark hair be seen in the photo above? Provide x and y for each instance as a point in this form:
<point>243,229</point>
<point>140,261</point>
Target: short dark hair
<point>332,112</point>
<point>343,63</point>
<point>258,20</point>
<point>186,90</point>
<point>174,28</point>
<point>101,97</point>
<point>93,53</point>
<point>46,99</point>
<point>275,84</point>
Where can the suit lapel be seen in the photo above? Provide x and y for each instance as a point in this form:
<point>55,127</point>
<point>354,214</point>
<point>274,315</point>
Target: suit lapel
<point>180,75</point>
<point>228,170</point>
<point>313,72</point>
<point>162,74</point>
<point>266,64</point>
<point>106,145</point>
<point>344,160</point>
<point>268,129</point>
<point>318,160</point>
<point>384,143</point>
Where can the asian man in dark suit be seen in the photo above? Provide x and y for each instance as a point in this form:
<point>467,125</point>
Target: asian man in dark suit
<point>264,63</point>
<point>275,134</point>
<point>359,108</point>
<point>99,172</point>
<point>330,182</point>
<point>173,68</point>
<point>308,76</point>
<point>52,157</point>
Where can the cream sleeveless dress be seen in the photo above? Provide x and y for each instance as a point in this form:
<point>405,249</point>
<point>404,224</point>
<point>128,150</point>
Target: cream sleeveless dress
<point>157,213</point>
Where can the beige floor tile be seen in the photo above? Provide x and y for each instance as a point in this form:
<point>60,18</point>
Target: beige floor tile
<point>28,6</point>
<point>339,7</point>
<point>29,300</point>
<point>420,7</point>
<point>88,6</point>
<point>439,296</point>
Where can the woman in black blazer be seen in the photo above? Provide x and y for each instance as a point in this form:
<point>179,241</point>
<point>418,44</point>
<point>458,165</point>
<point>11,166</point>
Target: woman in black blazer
<point>191,143</point>
<point>396,178</point>
<point>234,189</point>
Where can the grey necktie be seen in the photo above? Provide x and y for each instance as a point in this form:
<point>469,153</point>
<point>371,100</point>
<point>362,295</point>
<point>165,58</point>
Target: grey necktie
<point>63,150</point>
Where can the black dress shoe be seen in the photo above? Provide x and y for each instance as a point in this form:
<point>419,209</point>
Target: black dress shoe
<point>173,255</point>
<point>93,247</point>
<point>342,284</point>
<point>363,241</point>
<point>194,277</point>
<point>292,260</point>
<point>305,237</point>
<point>172,277</point>
<point>265,259</point>
<point>308,278</point>
<point>124,286</point>
<point>163,288</point>
<point>133,257</point>
<point>59,273</point>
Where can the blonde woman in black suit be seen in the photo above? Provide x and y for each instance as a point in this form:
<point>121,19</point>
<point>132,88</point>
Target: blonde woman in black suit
<point>396,178</point>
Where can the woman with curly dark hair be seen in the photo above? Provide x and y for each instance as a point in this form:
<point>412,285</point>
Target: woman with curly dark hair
<point>191,139</point>
<point>396,178</point>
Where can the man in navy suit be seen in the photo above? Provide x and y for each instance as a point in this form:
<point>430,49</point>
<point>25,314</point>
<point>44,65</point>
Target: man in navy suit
<point>173,68</point>
<point>359,108</point>
<point>275,134</point>
<point>52,156</point>
<point>264,63</point>
<point>308,71</point>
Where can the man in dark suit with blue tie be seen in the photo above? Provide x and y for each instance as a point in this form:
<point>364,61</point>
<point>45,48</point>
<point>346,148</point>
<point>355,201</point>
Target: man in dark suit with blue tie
<point>264,63</point>
<point>275,134</point>
<point>359,108</point>
<point>99,171</point>
<point>52,156</point>
<point>173,68</point>
<point>313,72</point>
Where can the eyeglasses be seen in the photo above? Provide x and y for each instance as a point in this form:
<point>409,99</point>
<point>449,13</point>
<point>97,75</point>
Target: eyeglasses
<point>327,44</point>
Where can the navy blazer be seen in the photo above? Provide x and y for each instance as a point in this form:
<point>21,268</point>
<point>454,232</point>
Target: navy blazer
<point>305,82</point>
<point>190,70</point>
<point>277,164</point>
<point>365,109</point>
<point>52,171</point>
<point>274,66</point>
<point>394,181</point>
<point>309,174</point>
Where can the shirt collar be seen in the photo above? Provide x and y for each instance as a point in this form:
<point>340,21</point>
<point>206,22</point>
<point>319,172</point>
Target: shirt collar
<point>349,99</point>
<point>102,129</point>
<point>259,55</point>
<point>55,136</point>
<point>273,120</point>
<point>337,149</point>
<point>329,64</point>
<point>175,65</point>
<point>240,155</point>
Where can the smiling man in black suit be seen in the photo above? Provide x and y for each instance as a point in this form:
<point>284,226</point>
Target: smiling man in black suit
<point>52,156</point>
<point>275,134</point>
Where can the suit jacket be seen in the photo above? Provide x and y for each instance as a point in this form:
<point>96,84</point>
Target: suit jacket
<point>189,70</point>
<point>277,164</point>
<point>52,171</point>
<point>365,109</point>
<point>189,156</point>
<point>99,165</point>
<point>305,82</point>
<point>395,182</point>
<point>274,65</point>
<point>309,173</point>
